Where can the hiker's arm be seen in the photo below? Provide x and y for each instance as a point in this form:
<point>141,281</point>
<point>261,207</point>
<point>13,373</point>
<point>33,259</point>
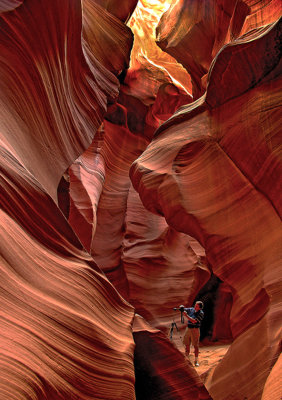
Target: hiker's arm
<point>189,318</point>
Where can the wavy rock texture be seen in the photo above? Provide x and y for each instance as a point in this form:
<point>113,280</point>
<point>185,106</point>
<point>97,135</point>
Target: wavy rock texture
<point>9,5</point>
<point>138,252</point>
<point>166,373</point>
<point>209,178</point>
<point>260,13</point>
<point>122,9</point>
<point>209,171</point>
<point>162,269</point>
<point>65,331</point>
<point>272,388</point>
<point>194,31</point>
<point>51,95</point>
<point>86,178</point>
<point>148,61</point>
<point>102,30</point>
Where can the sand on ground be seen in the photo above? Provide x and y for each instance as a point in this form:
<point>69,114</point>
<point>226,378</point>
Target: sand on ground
<point>210,354</point>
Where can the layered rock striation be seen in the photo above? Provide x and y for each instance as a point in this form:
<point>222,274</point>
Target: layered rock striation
<point>52,97</point>
<point>137,251</point>
<point>66,332</point>
<point>209,170</point>
<point>161,200</point>
<point>58,329</point>
<point>193,32</point>
<point>63,325</point>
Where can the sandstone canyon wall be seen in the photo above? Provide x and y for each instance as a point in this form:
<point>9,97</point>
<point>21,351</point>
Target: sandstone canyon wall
<point>65,330</point>
<point>218,144</point>
<point>130,186</point>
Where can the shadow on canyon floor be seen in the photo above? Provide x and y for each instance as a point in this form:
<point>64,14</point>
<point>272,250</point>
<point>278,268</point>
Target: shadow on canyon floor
<point>210,354</point>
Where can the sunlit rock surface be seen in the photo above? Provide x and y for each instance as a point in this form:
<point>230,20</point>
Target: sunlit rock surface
<point>65,331</point>
<point>272,388</point>
<point>146,56</point>
<point>209,178</point>
<point>102,30</point>
<point>53,96</point>
<point>162,269</point>
<point>62,322</point>
<point>213,171</point>
<point>139,253</point>
<point>194,31</point>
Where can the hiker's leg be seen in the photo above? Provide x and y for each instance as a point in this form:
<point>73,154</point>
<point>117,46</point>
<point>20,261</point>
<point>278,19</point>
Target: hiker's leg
<point>195,342</point>
<point>187,341</point>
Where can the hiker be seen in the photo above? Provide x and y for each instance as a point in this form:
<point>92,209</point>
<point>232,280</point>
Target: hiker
<point>195,316</point>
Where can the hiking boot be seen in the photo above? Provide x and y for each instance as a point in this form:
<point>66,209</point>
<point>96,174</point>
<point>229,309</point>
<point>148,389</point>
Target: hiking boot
<point>196,364</point>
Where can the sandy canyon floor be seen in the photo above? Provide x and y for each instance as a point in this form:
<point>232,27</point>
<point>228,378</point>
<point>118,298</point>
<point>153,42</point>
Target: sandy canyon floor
<point>210,354</point>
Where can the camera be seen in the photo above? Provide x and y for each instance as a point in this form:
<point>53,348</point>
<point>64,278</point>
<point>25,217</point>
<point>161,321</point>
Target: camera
<point>180,308</point>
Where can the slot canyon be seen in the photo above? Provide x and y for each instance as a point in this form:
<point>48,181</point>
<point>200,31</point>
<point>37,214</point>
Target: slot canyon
<point>140,146</point>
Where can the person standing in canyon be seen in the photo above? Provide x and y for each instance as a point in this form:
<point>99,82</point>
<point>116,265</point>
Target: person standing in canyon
<point>195,316</point>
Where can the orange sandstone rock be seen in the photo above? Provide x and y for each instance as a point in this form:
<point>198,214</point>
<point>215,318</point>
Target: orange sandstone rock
<point>162,269</point>
<point>138,257</point>
<point>121,9</point>
<point>65,332</point>
<point>210,179</point>
<point>272,388</point>
<point>213,170</point>
<point>86,178</point>
<point>161,371</point>
<point>195,31</point>
<point>105,38</point>
<point>52,97</point>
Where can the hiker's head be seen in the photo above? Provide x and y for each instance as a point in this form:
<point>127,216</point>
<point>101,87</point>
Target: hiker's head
<point>199,305</point>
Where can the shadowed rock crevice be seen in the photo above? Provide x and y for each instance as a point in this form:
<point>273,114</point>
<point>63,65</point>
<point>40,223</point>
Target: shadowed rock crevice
<point>161,372</point>
<point>217,301</point>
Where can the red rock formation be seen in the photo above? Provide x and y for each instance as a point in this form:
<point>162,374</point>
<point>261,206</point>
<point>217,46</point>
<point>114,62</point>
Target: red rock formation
<point>102,30</point>
<point>162,373</point>
<point>223,305</point>
<point>212,170</point>
<point>86,178</point>
<point>9,5</point>
<point>147,248</point>
<point>51,95</point>
<point>138,261</point>
<point>65,331</point>
<point>162,269</point>
<point>272,388</point>
<point>122,9</point>
<point>261,13</point>
<point>194,31</point>
<point>146,57</point>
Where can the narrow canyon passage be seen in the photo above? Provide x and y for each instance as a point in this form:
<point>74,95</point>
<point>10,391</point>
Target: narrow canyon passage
<point>140,153</point>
